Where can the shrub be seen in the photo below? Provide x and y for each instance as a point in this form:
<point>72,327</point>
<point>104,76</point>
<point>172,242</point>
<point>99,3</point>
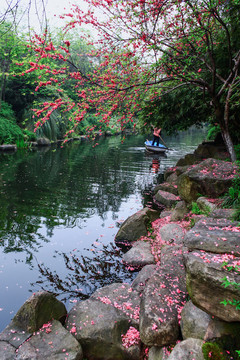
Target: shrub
<point>29,135</point>
<point>232,197</point>
<point>10,133</point>
<point>197,211</point>
<point>213,131</point>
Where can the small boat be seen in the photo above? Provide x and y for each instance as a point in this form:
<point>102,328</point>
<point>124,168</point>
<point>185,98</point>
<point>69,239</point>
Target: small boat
<point>154,148</point>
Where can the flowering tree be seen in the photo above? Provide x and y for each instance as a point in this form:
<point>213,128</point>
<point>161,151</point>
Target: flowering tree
<point>144,49</point>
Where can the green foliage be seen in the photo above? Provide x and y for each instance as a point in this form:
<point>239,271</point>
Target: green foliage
<point>237,149</point>
<point>213,351</point>
<point>213,131</point>
<point>7,112</point>
<point>232,198</point>
<point>226,283</point>
<point>197,211</point>
<point>176,110</point>
<point>10,132</point>
<point>29,135</point>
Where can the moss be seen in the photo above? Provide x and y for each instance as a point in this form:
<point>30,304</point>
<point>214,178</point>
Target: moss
<point>213,351</point>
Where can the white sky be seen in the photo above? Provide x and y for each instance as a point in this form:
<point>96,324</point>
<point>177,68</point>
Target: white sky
<point>53,7</point>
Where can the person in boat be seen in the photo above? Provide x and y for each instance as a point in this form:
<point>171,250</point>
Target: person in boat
<point>156,135</point>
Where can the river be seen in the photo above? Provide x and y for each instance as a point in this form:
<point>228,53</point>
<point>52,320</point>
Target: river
<point>60,211</point>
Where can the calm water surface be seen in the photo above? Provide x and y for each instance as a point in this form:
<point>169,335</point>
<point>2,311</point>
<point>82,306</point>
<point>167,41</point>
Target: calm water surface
<point>60,211</point>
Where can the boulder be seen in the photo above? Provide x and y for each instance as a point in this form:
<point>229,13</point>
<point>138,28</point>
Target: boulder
<point>136,226</point>
<point>40,308</point>
<point>143,276</point>
<point>188,159</point>
<point>166,198</point>
<point>157,353</point>
<point>8,147</point>
<point>166,187</point>
<point>122,297</point>
<point>168,172</point>
<point>188,350</point>
<point>14,335</point>
<point>168,252</point>
<point>172,179</point>
<point>196,323</point>
<point>222,214</point>
<point>165,213</point>
<point>161,300</point>
<point>43,141</point>
<point>204,280</point>
<point>179,211</point>
<point>210,178</point>
<point>52,342</point>
<point>139,255</point>
<point>205,205</point>
<point>7,351</point>
<point>211,150</point>
<point>99,328</point>
<point>172,233</point>
<point>215,235</point>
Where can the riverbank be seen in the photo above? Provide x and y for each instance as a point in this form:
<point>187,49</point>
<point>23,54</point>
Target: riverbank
<point>45,142</point>
<point>128,320</point>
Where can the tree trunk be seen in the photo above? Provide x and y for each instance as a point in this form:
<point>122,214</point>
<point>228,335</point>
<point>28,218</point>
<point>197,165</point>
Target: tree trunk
<point>222,115</point>
<point>229,144</point>
<point>225,128</point>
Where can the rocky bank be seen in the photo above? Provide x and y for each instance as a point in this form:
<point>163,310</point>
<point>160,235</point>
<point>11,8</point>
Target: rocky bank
<point>179,305</point>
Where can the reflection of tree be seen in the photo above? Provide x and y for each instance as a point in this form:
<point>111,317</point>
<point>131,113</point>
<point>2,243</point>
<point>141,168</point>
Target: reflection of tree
<point>85,274</point>
<point>63,187</point>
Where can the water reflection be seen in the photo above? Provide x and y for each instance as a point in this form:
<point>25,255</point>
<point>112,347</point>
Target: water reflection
<point>85,274</point>
<point>56,202</point>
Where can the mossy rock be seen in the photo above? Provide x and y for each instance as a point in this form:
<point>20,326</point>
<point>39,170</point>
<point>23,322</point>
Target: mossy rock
<point>39,309</point>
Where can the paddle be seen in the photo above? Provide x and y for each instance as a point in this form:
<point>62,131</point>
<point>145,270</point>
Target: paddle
<point>164,142</point>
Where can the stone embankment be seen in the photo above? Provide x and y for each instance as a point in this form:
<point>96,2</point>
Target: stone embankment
<point>175,305</point>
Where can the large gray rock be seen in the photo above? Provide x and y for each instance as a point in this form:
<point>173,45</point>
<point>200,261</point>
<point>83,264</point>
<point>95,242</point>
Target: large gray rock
<point>7,351</point>
<point>205,205</point>
<point>188,159</point>
<point>99,324</point>
<point>14,335</point>
<point>8,147</point>
<point>211,150</point>
<point>51,342</point>
<point>161,300</point>
<point>188,350</point>
<point>171,178</point>
<point>142,278</point>
<point>179,211</point>
<point>121,296</point>
<point>222,214</point>
<point>205,284</point>
<point>166,187</point>
<point>139,255</point>
<point>172,233</point>
<point>210,178</point>
<point>215,235</point>
<point>157,353</point>
<point>169,252</point>
<point>196,323</point>
<point>166,198</point>
<point>136,226</point>
<point>40,308</point>
<point>43,141</point>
